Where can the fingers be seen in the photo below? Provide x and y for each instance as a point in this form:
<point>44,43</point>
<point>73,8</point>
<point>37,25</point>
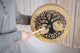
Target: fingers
<point>25,35</point>
<point>30,34</point>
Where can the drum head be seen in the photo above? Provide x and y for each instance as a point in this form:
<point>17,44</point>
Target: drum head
<point>54,15</point>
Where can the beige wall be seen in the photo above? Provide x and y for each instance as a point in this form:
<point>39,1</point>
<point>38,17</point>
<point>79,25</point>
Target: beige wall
<point>27,7</point>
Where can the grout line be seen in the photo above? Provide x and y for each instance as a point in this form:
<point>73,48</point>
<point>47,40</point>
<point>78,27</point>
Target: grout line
<point>78,21</point>
<point>74,24</point>
<point>56,1</point>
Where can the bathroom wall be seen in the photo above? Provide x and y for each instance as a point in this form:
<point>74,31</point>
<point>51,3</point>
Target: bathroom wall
<point>70,44</point>
<point>27,7</point>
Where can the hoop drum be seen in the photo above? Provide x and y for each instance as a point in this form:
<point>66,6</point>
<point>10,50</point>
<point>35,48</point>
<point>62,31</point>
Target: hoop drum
<point>54,15</point>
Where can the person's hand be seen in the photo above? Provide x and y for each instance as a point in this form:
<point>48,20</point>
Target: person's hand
<point>25,35</point>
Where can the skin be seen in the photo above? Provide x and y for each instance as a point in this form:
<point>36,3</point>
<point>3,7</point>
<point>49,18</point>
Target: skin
<point>25,35</point>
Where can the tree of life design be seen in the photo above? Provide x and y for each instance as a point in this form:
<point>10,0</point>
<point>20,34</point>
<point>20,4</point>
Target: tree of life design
<point>49,17</point>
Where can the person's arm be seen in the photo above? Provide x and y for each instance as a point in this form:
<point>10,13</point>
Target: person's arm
<point>21,18</point>
<point>24,20</point>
